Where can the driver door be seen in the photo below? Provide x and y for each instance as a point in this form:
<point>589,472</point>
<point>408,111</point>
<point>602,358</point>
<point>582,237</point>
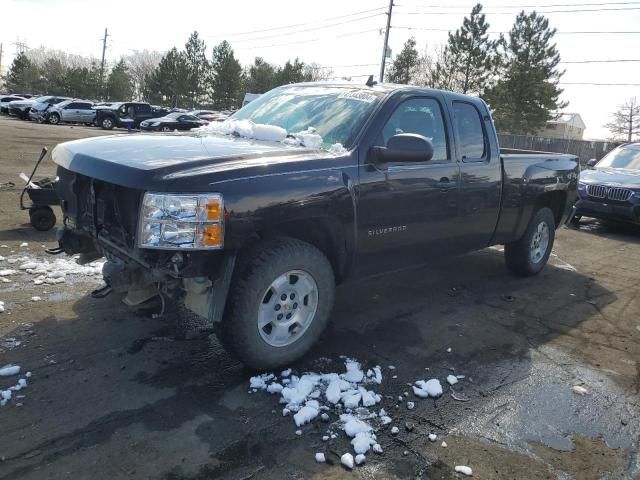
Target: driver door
<point>408,211</point>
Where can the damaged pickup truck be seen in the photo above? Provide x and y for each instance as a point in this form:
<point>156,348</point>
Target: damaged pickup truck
<point>252,226</point>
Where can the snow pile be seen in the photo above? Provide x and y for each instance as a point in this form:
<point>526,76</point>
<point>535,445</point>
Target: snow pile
<point>429,388</point>
<point>314,394</point>
<point>58,270</point>
<point>306,138</point>
<point>246,129</point>
<point>8,371</point>
<point>269,133</point>
<point>463,469</point>
<point>337,149</point>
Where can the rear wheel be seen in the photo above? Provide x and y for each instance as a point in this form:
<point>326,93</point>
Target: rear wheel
<point>42,218</point>
<point>279,303</point>
<point>529,255</point>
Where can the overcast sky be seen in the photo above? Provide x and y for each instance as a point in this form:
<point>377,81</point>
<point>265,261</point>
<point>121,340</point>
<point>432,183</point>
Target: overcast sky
<point>327,32</point>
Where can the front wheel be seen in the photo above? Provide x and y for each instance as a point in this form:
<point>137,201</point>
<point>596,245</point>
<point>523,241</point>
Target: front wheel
<point>54,119</point>
<point>107,123</point>
<point>279,303</point>
<point>529,255</point>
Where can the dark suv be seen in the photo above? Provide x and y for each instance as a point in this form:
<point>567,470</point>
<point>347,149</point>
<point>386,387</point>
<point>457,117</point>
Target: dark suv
<point>126,114</point>
<point>611,189</point>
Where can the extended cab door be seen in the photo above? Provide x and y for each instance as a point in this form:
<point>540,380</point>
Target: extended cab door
<point>407,211</point>
<point>480,172</point>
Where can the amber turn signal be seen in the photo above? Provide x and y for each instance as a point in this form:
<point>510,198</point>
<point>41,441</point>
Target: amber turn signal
<point>212,235</point>
<point>214,209</point>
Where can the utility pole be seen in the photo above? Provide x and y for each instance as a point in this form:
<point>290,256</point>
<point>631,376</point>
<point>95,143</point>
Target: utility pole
<point>386,41</point>
<point>104,49</point>
<point>0,58</point>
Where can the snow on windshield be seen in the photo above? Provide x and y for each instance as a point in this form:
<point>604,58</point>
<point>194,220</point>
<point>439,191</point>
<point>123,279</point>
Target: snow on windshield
<point>270,133</point>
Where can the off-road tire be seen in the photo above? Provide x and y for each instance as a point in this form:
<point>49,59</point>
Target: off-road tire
<point>518,254</point>
<point>255,271</point>
<point>42,218</point>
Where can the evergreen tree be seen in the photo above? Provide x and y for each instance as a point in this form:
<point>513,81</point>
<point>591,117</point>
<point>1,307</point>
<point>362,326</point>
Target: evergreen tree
<point>195,56</point>
<point>261,76</point>
<point>226,77</point>
<point>119,83</point>
<point>23,76</point>
<point>527,93</point>
<point>403,69</point>
<point>292,73</point>
<point>168,83</point>
<point>469,61</point>
<point>54,77</point>
<point>625,122</point>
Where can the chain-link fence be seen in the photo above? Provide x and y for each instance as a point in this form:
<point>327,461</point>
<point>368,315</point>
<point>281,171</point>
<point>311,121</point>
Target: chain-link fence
<point>584,149</point>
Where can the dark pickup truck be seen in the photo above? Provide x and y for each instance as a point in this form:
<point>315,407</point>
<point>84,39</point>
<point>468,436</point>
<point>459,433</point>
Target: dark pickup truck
<point>250,223</point>
<point>122,114</point>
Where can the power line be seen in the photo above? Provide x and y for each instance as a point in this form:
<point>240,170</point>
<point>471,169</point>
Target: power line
<point>286,27</point>
<point>412,5</point>
<point>305,30</point>
<point>586,32</point>
<point>602,84</point>
<point>584,10</point>
<point>603,61</point>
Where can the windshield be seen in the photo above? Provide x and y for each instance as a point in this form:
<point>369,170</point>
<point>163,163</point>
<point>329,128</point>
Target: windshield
<point>336,113</point>
<point>41,99</point>
<point>173,115</point>
<point>624,157</point>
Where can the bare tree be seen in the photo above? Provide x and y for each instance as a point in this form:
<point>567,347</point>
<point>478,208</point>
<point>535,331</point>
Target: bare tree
<point>625,123</point>
<point>315,72</point>
<point>427,72</point>
<point>141,64</point>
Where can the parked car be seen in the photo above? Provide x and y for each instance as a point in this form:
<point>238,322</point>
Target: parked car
<point>208,115</point>
<point>610,190</point>
<point>4,102</point>
<point>21,108</point>
<point>253,235</point>
<point>76,111</point>
<point>172,121</point>
<point>120,114</point>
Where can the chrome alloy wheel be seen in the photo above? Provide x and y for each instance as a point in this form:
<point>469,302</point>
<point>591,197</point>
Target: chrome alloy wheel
<point>287,308</point>
<point>539,243</point>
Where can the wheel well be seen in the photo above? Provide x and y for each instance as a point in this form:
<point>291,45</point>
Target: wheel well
<point>324,234</point>
<point>555,201</point>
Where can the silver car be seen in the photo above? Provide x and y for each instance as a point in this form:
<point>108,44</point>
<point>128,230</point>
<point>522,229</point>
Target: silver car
<point>76,111</point>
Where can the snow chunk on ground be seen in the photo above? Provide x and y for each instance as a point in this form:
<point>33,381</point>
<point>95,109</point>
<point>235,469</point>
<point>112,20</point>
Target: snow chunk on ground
<point>260,382</point>
<point>433,437</point>
<point>24,244</point>
<point>36,299</point>
<point>274,388</point>
<point>395,430</point>
<point>320,457</point>
<point>579,390</point>
<point>9,370</point>
<point>463,469</point>
<point>430,388</point>
<point>353,425</point>
<point>360,459</point>
<point>377,448</point>
<point>354,372</point>
<point>306,413</point>
<point>7,271</point>
<point>347,460</point>
<point>362,442</point>
<point>444,444</point>
<point>452,379</point>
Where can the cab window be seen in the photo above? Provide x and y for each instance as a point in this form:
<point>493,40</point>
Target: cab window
<point>471,137</point>
<point>424,117</point>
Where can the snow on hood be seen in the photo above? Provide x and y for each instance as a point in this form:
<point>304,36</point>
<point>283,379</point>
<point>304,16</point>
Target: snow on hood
<point>269,133</point>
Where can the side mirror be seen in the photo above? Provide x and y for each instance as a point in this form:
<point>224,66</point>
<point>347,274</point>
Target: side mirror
<point>403,147</point>
<point>592,163</point>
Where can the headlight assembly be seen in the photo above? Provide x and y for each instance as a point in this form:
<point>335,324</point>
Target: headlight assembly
<point>173,222</point>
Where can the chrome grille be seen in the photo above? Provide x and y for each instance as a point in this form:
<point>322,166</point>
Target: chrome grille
<point>597,191</point>
<point>618,194</point>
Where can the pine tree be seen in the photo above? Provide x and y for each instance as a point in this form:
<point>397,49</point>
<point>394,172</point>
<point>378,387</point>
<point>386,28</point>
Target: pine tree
<point>168,83</point>
<point>292,73</point>
<point>625,123</point>
<point>195,55</point>
<point>403,69</point>
<point>226,77</point>
<point>54,77</point>
<point>119,82</point>
<point>469,61</point>
<point>23,76</point>
<point>261,76</point>
<point>527,93</point>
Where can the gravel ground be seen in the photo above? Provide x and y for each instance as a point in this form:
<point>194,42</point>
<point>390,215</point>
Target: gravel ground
<point>118,395</point>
